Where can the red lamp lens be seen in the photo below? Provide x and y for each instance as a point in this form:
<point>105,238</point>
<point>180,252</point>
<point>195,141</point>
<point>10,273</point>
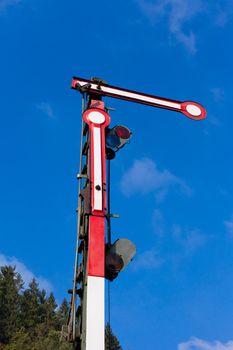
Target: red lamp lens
<point>122,132</point>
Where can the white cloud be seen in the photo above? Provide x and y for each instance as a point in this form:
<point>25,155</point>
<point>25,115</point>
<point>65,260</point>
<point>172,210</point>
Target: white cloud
<point>199,344</point>
<point>26,274</point>
<point>190,239</point>
<point>144,177</point>
<point>178,13</point>
<point>147,260</point>
<point>224,12</point>
<point>5,3</point>
<point>181,13</point>
<point>46,108</point>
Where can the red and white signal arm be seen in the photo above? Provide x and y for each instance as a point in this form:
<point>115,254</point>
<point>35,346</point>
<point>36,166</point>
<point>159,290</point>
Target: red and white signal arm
<point>190,109</point>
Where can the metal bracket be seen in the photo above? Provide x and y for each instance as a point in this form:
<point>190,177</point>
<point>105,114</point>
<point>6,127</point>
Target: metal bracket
<point>83,88</point>
<point>114,216</point>
<point>110,109</point>
<point>82,176</point>
<point>98,81</point>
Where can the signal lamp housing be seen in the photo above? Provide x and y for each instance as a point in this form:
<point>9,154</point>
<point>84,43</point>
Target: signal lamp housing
<point>118,256</point>
<point>110,154</point>
<point>118,136</point>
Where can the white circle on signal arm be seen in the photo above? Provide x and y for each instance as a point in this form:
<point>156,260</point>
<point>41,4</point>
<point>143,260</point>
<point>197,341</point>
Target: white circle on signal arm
<point>193,110</point>
<point>96,117</point>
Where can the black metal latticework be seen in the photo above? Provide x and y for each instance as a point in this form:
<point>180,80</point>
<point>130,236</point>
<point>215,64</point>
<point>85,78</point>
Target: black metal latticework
<point>74,330</point>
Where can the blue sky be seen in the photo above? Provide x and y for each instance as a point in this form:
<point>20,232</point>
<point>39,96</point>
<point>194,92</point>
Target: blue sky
<point>172,186</point>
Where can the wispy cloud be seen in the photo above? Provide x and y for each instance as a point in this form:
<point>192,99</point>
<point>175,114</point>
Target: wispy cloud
<point>229,226</point>
<point>149,260</point>
<point>26,274</point>
<point>199,344</point>
<point>180,16</point>
<point>189,239</point>
<point>185,242</point>
<point>144,177</point>
<point>224,12</point>
<point>212,119</point>
<point>217,93</point>
<point>158,223</point>
<point>47,109</point>
<point>178,13</point>
<point>6,3</point>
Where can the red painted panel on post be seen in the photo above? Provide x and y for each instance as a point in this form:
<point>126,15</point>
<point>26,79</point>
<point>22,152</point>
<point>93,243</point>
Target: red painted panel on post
<point>96,246</point>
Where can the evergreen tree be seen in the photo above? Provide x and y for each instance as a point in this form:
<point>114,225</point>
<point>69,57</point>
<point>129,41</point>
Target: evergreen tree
<point>29,320</point>
<point>10,286</point>
<point>51,317</point>
<point>30,307</point>
<point>42,305</point>
<point>38,312</point>
<point>52,342</point>
<point>62,313</point>
<point>20,341</point>
<point>23,341</point>
<point>111,341</point>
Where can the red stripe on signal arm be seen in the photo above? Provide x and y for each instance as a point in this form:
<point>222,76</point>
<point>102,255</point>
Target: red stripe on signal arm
<point>96,246</point>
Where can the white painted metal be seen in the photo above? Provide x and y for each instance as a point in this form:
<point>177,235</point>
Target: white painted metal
<point>98,197</point>
<point>96,117</point>
<point>134,95</point>
<point>95,326</point>
<point>193,110</point>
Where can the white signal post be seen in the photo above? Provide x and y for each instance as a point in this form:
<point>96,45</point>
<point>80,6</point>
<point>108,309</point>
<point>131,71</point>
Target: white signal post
<point>97,120</point>
<point>91,334</point>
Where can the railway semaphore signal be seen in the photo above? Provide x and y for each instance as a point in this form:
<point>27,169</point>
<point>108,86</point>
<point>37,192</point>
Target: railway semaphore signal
<point>97,258</point>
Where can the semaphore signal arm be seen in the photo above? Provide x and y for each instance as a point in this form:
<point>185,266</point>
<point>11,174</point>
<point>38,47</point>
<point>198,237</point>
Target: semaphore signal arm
<point>190,109</point>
